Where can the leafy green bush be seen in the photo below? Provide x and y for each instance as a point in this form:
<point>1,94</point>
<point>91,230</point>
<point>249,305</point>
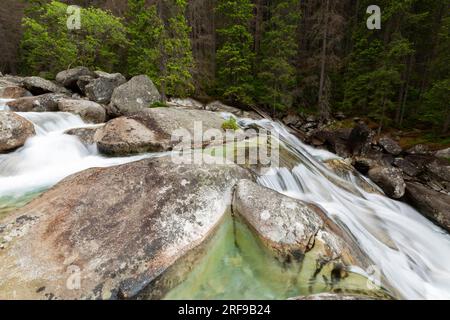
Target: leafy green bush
<point>230,124</point>
<point>48,46</point>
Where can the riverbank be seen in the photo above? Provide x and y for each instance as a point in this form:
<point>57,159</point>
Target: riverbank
<point>131,223</point>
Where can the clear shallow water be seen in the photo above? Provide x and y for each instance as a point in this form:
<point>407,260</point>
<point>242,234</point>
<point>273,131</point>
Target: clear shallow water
<point>236,266</point>
<point>411,252</point>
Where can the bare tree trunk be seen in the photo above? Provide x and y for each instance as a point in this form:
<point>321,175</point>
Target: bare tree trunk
<point>383,109</point>
<point>323,106</point>
<point>446,125</point>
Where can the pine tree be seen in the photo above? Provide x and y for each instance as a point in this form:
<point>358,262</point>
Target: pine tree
<point>145,31</point>
<point>160,45</point>
<point>177,61</point>
<point>277,73</point>
<point>438,96</point>
<point>234,56</point>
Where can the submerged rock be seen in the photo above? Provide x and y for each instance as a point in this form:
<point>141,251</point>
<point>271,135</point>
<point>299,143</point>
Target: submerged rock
<point>14,131</point>
<point>133,96</point>
<point>87,110</point>
<point>296,231</point>
<point>345,171</point>
<point>435,205</point>
<point>108,233</point>
<point>38,86</point>
<point>43,103</point>
<point>389,179</point>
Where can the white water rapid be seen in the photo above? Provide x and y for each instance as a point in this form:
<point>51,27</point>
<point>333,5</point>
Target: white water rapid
<point>50,155</point>
<point>412,253</point>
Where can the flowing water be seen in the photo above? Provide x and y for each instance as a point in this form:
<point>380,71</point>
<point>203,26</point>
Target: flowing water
<point>48,157</point>
<point>411,253</point>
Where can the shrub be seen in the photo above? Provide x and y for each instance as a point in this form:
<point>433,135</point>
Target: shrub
<point>230,124</point>
<point>48,46</point>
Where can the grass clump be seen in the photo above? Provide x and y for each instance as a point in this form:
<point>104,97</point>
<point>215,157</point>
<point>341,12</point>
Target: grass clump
<point>158,104</point>
<point>230,124</point>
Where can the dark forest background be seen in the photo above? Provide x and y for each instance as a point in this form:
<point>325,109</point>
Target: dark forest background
<point>309,56</point>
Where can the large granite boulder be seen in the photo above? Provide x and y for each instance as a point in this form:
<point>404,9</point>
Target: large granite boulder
<point>14,131</point>
<point>390,146</point>
<point>434,205</point>
<point>38,86</point>
<point>101,89</point>
<point>137,94</point>
<point>87,110</point>
<point>123,136</point>
<point>118,232</point>
<point>297,233</point>
<point>43,103</point>
<point>157,129</point>
<point>68,78</point>
<point>389,179</point>
<point>11,90</point>
<point>87,135</point>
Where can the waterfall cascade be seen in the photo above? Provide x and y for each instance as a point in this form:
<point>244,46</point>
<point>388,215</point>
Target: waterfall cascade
<point>412,254</point>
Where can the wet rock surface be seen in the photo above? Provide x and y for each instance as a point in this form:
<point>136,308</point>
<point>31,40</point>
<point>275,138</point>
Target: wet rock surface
<point>14,131</point>
<point>117,228</point>
<point>89,111</point>
<point>291,228</point>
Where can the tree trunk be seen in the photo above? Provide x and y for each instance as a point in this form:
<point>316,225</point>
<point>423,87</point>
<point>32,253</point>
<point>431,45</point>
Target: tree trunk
<point>323,106</point>
<point>446,125</point>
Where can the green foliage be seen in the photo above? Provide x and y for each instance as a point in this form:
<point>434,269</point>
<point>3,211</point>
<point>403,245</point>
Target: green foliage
<point>159,104</point>
<point>176,75</point>
<point>230,124</point>
<point>234,56</point>
<point>145,30</point>
<point>276,70</point>
<point>48,46</point>
<point>161,49</point>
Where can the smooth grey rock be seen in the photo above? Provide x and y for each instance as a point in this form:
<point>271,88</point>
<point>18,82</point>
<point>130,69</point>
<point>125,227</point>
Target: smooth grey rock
<point>389,179</point>
<point>390,146</point>
<point>87,135</point>
<point>43,103</point>
<point>87,110</point>
<point>101,89</point>
<point>124,136</point>
<point>38,86</point>
<point>290,228</point>
<point>122,228</point>
<point>135,95</point>
<point>14,131</point>
<point>434,205</point>
<point>68,78</point>
<point>444,153</point>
